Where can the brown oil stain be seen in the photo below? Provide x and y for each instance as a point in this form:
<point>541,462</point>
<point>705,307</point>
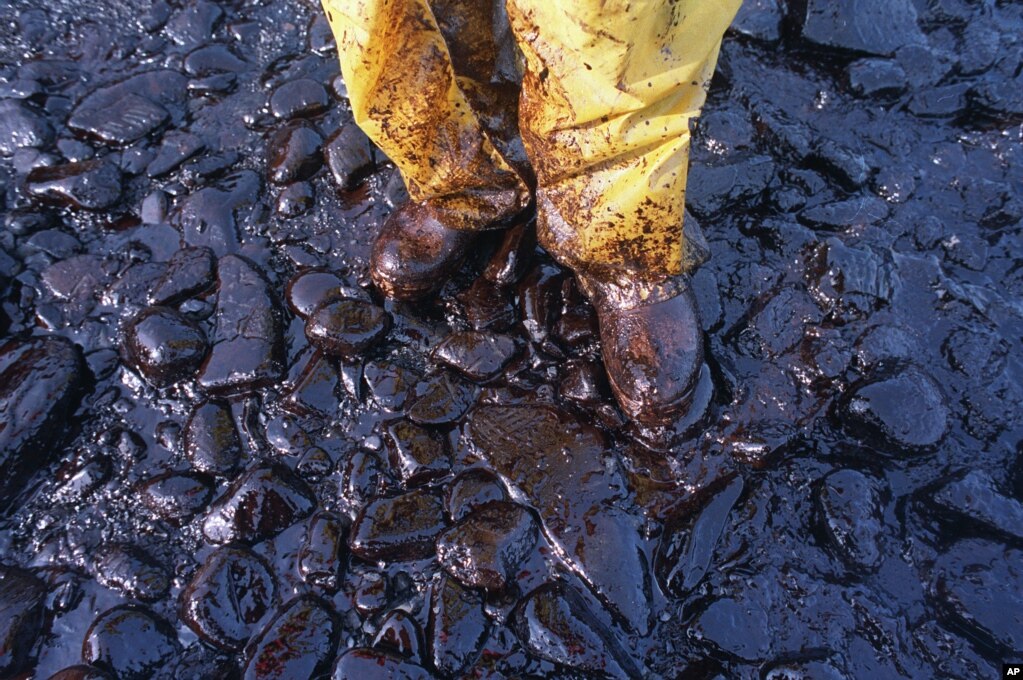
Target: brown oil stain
<point>607,97</point>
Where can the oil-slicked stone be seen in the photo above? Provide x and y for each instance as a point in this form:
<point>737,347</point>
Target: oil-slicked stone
<point>323,550</point>
<point>129,569</point>
<point>228,597</point>
<point>549,455</point>
<point>21,618</point>
<point>131,109</point>
<point>511,260</point>
<point>760,19</point>
<point>374,663</point>
<point>873,26</point>
<point>350,372</point>
<point>1001,96</point>
<point>736,627</point>
<point>129,641</point>
<point>189,271</point>
<point>41,383</point>
<point>176,496</point>
<point>371,592</point>
<point>90,185</point>
<point>79,477</point>
<point>901,408</point>
<point>941,101</point>
<point>403,527</point>
<point>584,382</point>
<point>976,352</point>
<point>299,98</point>
<point>349,156</point>
<point>164,345</point>
<point>845,166</point>
<point>20,127</point>
<point>360,479</point>
<point>416,454</point>
<point>209,217</point>
<point>390,383</point>
<point>486,548</point>
<point>321,38</point>
<point>316,390</point>
<point>976,496</point>
<point>314,288</point>
<point>212,59</point>
<point>314,465</point>
<point>978,585</point>
<point>818,670</point>
<point>299,643</point>
<point>850,509</point>
<point>686,550</point>
<point>129,118</point>
<point>884,343</point>
<point>347,327</point>
<point>714,188</point>
<point>258,505</point>
<point>924,66</point>
<point>840,215</point>
<point>295,199</point>
<point>478,356</point>
<point>487,306</point>
<point>555,623</point>
<point>198,661</point>
<point>853,279</point>
<point>784,319</point>
<point>470,490</point>
<point>176,148</point>
<point>216,84</point>
<point>457,628</point>
<point>195,23</point>
<point>286,435</point>
<point>876,76</point>
<point>211,439</point>
<point>80,672</point>
<point>220,83</point>
<point>247,342</point>
<point>130,290</point>
<point>443,400</point>
<point>43,238</point>
<point>981,46</point>
<point>293,154</point>
<point>400,634</point>
<point>576,327</point>
<point>539,296</point>
<point>76,278</point>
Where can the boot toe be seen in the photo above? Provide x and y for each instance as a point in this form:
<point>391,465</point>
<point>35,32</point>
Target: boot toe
<point>414,254</point>
<point>653,354</point>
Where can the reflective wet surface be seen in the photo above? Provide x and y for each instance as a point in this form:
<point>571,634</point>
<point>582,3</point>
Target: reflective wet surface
<point>224,454</point>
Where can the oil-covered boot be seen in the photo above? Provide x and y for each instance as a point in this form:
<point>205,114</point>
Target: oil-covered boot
<point>415,253</point>
<point>652,344</point>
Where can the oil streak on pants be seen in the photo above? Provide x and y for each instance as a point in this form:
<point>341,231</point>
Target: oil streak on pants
<point>608,91</point>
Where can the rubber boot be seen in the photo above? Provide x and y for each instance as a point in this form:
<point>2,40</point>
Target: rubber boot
<point>652,344</point>
<point>415,253</point>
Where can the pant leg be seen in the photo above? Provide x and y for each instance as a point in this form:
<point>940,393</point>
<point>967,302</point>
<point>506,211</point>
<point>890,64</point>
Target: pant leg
<point>608,94</point>
<point>486,64</point>
<point>405,95</point>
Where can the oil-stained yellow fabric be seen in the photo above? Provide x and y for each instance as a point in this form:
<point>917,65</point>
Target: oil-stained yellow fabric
<point>407,98</point>
<point>609,89</point>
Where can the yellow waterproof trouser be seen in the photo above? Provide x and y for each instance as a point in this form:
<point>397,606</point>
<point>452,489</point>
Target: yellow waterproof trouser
<point>608,91</point>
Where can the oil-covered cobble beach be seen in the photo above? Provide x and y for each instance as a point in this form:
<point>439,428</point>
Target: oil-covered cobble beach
<point>223,454</point>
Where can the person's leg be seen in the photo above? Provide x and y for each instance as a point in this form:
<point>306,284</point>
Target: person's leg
<point>406,95</point>
<point>607,98</point>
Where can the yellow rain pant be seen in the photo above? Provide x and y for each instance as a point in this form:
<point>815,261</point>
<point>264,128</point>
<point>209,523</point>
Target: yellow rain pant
<point>607,95</point>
